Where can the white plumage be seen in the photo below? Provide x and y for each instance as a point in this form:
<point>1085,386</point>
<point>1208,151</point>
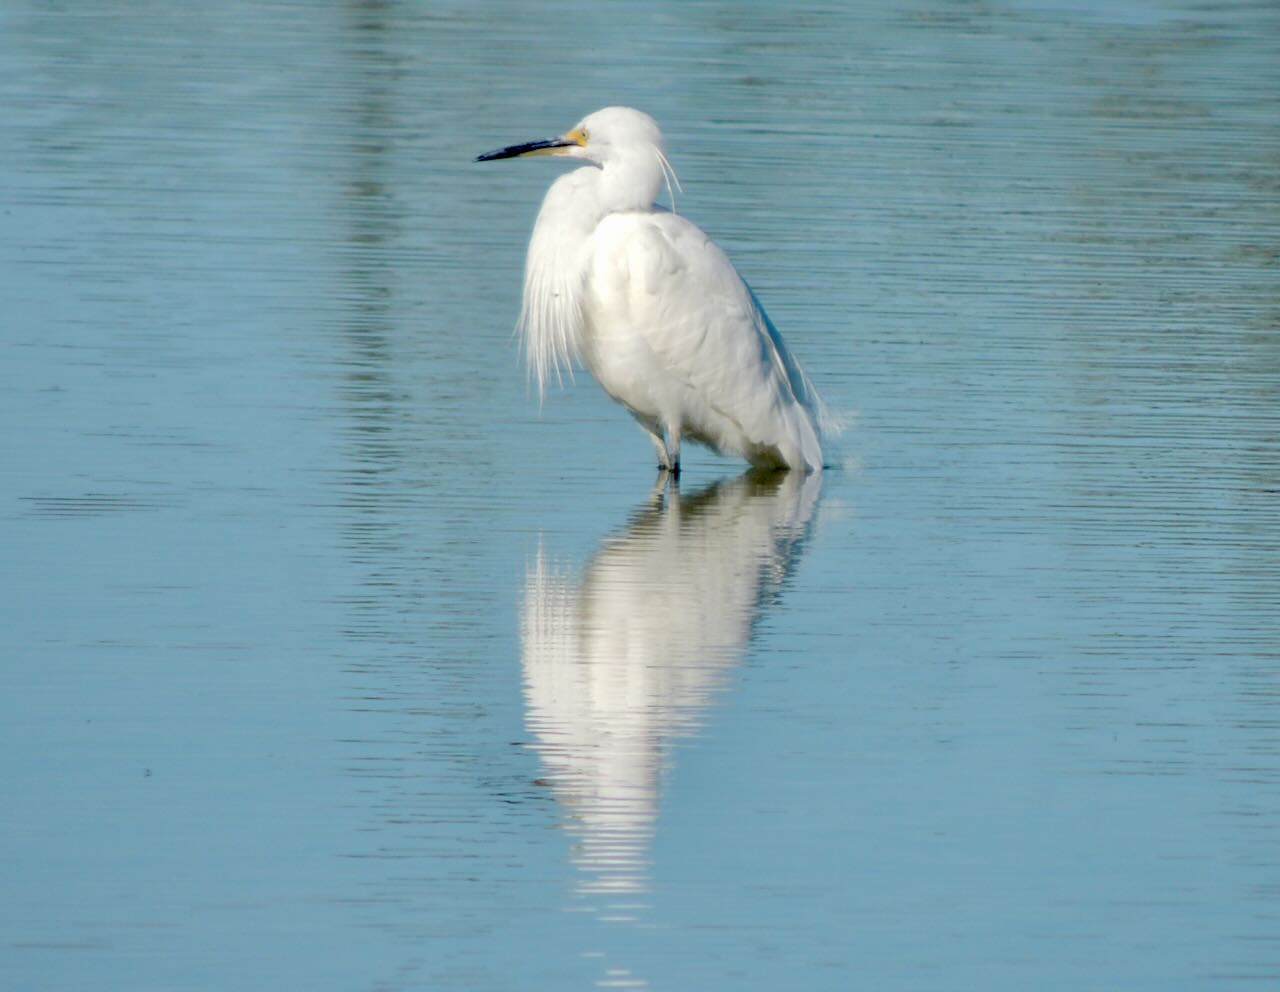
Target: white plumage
<point>653,308</point>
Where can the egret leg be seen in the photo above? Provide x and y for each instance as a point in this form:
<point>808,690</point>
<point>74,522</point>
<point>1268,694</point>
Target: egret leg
<point>673,450</point>
<point>660,446</point>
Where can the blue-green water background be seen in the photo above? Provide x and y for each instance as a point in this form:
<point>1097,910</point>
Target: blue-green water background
<point>331,661</point>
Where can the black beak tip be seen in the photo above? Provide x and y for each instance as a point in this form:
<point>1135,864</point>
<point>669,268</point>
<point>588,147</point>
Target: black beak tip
<point>515,151</point>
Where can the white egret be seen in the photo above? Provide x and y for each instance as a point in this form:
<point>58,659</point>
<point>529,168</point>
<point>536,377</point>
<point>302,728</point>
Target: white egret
<point>654,308</point>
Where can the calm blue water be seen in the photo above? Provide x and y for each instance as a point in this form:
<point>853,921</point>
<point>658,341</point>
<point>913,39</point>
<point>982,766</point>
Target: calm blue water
<point>331,661</point>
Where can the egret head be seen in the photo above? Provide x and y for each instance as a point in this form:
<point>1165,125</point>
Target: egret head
<point>626,143</point>
<point>600,137</point>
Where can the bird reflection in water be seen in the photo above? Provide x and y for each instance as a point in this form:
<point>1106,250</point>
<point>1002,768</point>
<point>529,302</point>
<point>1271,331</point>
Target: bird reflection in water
<point>622,658</point>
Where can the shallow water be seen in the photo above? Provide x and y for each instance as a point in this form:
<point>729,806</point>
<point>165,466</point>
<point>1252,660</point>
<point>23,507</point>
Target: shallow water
<point>333,661</point>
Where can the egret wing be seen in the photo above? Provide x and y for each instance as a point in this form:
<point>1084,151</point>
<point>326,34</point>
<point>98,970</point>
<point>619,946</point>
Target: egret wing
<point>673,286</point>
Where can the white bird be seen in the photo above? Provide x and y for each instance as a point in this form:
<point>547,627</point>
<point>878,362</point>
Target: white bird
<point>654,308</point>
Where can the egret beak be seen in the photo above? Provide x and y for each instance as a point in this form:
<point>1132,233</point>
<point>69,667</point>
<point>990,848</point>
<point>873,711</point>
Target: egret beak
<point>547,146</point>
